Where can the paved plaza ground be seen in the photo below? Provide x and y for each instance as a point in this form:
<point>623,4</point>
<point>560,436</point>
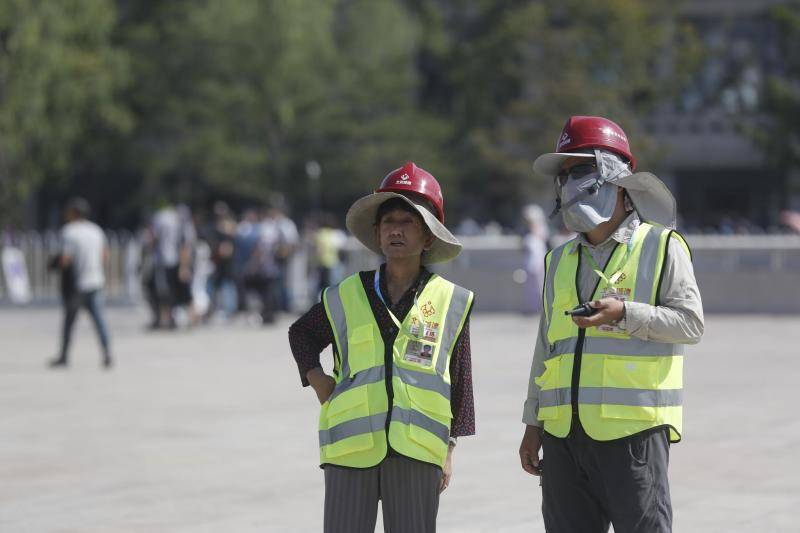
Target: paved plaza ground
<point>208,430</point>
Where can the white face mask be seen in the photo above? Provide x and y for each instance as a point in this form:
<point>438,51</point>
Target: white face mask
<point>593,209</point>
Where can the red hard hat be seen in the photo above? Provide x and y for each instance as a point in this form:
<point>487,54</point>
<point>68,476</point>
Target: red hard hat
<point>411,179</point>
<point>594,132</point>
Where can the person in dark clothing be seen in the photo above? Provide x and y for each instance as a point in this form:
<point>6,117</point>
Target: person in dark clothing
<point>221,240</point>
<point>261,271</point>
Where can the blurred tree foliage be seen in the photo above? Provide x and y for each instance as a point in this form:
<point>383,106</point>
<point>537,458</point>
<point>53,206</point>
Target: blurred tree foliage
<point>518,69</point>
<point>779,135</point>
<point>60,77</point>
<point>232,98</point>
<point>201,100</point>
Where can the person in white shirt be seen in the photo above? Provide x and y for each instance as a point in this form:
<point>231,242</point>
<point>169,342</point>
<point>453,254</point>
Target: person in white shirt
<point>85,249</point>
<point>289,239</point>
<point>175,239</point>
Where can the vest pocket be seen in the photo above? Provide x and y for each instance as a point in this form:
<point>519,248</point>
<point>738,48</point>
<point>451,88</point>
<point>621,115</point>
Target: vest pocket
<point>433,430</point>
<point>344,420</point>
<point>346,406</point>
<point>361,349</point>
<point>429,402</point>
<point>548,381</point>
<point>625,380</point>
<point>350,445</point>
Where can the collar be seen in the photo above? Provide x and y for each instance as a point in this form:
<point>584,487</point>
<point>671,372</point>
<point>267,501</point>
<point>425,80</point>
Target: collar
<point>413,290</point>
<point>623,234</point>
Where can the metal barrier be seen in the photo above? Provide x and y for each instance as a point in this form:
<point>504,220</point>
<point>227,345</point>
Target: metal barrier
<point>736,273</point>
<point>122,285</point>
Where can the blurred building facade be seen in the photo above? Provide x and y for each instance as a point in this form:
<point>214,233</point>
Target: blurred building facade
<point>720,177</point>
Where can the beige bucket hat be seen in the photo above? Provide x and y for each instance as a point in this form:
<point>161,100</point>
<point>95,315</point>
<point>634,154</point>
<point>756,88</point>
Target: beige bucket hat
<point>420,190</point>
<point>360,222</point>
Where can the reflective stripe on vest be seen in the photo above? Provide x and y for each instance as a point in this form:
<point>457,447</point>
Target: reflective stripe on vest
<point>631,346</point>
<point>600,395</point>
<point>626,384</point>
<point>357,426</point>
<point>419,431</point>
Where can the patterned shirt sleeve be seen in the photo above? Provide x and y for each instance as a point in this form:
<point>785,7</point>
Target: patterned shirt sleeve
<point>308,336</point>
<point>461,399</point>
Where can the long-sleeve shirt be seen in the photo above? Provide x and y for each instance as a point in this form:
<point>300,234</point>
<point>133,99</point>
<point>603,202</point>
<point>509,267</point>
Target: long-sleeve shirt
<point>312,333</point>
<point>678,318</point>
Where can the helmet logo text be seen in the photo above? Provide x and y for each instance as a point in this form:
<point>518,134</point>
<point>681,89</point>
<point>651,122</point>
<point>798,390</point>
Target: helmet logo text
<point>613,133</point>
<point>564,140</point>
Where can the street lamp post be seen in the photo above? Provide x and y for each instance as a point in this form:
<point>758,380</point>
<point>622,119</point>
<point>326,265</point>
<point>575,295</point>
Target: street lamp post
<point>314,173</point>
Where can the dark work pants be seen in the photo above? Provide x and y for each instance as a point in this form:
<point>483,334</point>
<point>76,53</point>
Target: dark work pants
<point>92,301</point>
<point>408,490</point>
<point>587,483</point>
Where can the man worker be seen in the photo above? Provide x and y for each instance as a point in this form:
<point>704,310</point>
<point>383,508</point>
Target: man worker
<point>605,392</point>
<point>401,390</point>
<point>84,252</point>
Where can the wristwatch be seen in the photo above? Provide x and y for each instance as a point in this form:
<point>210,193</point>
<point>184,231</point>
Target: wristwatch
<point>453,441</point>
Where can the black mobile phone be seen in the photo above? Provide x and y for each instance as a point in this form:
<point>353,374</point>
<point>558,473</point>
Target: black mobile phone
<point>582,310</point>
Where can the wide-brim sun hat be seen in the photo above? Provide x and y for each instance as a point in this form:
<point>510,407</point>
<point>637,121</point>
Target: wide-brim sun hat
<point>360,221</point>
<point>651,197</point>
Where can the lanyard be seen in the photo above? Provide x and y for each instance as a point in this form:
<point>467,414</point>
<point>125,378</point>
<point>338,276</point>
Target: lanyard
<point>377,285</point>
<point>610,281</point>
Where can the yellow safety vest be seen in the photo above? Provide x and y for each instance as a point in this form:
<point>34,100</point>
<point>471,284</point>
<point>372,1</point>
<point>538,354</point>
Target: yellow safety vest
<point>616,384</point>
<point>356,422</point>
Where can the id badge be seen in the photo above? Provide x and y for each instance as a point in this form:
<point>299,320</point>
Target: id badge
<point>431,331</point>
<point>619,294</point>
<point>414,327</point>
<point>419,352</point>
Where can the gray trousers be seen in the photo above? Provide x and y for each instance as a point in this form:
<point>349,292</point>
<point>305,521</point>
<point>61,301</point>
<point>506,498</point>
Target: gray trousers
<point>587,483</point>
<point>407,489</point>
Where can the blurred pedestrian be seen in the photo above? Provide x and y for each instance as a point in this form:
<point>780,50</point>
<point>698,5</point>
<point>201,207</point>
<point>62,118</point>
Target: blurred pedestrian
<point>186,267</point>
<point>174,239</point>
<point>221,240</point>
<point>606,386</point>
<point>260,272</point>
<point>84,254</point>
<point>288,240</point>
<point>535,245</point>
<point>148,271</point>
<point>328,243</point>
<point>202,270</point>
<point>248,233</point>
<point>401,390</point>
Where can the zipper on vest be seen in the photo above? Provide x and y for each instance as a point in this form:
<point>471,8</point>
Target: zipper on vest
<point>578,355</point>
<point>576,370</point>
<point>388,361</point>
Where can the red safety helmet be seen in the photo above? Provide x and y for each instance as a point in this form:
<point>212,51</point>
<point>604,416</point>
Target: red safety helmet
<point>413,180</point>
<point>583,132</point>
<point>594,132</point>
